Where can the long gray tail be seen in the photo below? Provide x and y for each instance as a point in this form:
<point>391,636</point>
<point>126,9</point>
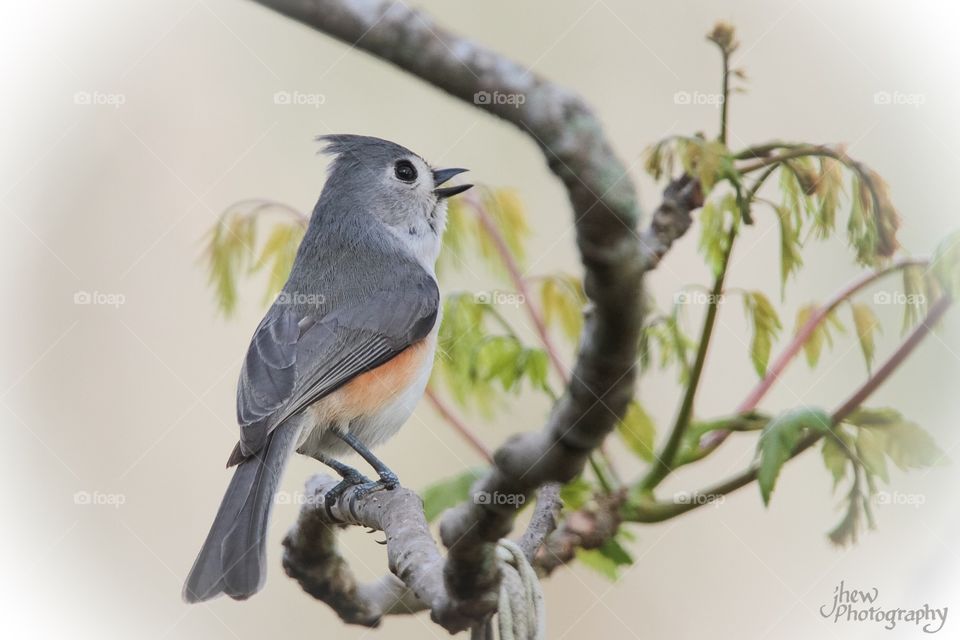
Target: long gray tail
<point>233,557</point>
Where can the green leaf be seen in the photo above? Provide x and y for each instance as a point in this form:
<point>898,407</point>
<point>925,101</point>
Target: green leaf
<point>447,493</point>
<point>780,438</point>
<point>906,444</point>
<point>870,450</point>
<point>534,364</point>
<point>867,326</point>
<point>915,298</point>
<point>615,551</point>
<point>230,253</point>
<point>766,327</point>
<point>910,447</point>
<point>461,333</point>
<point>660,159</point>
<point>466,233</point>
<point>859,231</point>
<point>673,345</point>
<point>279,251</point>
<point>790,259</point>
<point>475,366</point>
<point>637,431</point>
<point>846,531</point>
<point>576,493</point>
<point>714,235</point>
<point>836,457</point>
<point>458,237</point>
<point>814,344</point>
<point>497,358</point>
<point>593,559</point>
<point>799,180</point>
<point>562,300</point>
<point>886,219</point>
<point>946,264</point>
<point>606,559</point>
<point>708,162</point>
<point>829,189</point>
<point>872,228</point>
<point>505,211</point>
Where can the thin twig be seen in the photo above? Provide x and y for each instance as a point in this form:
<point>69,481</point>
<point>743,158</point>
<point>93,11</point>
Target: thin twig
<point>894,361</point>
<point>667,456</point>
<point>520,284</point>
<point>715,438</point>
<point>458,425</point>
<point>651,510</point>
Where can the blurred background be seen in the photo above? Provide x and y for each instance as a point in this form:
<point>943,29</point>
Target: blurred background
<point>129,127</point>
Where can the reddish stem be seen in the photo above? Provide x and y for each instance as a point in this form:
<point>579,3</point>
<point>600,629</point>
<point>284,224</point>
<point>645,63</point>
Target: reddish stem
<point>520,283</point>
<point>919,333</point>
<point>447,414</point>
<point>714,439</point>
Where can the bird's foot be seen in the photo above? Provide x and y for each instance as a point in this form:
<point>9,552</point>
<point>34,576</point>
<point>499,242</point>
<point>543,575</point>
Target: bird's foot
<point>388,481</point>
<point>352,478</point>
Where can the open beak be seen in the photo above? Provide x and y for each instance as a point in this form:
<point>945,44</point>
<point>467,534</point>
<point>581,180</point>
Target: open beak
<point>442,175</point>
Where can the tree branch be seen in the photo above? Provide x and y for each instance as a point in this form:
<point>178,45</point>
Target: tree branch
<point>544,521</point>
<point>605,215</point>
<point>671,219</point>
<point>586,528</point>
<point>311,557</point>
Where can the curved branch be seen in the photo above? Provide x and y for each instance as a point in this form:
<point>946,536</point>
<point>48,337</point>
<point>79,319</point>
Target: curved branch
<point>605,216</point>
<point>311,557</point>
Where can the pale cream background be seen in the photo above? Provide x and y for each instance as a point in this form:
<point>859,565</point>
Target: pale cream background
<point>137,401</point>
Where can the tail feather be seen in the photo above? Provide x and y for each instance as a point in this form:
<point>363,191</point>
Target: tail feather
<point>233,557</point>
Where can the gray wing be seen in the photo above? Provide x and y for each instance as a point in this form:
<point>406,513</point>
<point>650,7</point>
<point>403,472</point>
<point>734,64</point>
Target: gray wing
<point>296,358</point>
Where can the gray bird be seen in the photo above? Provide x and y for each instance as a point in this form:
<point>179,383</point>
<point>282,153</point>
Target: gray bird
<point>342,357</point>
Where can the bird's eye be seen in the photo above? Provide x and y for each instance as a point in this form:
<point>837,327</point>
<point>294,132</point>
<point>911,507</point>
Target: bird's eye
<point>404,170</point>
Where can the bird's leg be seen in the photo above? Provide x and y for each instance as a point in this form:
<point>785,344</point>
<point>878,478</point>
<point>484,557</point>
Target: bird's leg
<point>351,478</point>
<point>388,479</point>
<point>345,471</point>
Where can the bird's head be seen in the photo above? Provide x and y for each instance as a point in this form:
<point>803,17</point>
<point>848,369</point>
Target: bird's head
<point>383,179</point>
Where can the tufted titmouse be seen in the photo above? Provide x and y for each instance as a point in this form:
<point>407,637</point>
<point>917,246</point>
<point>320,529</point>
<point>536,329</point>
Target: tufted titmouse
<point>343,355</point>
